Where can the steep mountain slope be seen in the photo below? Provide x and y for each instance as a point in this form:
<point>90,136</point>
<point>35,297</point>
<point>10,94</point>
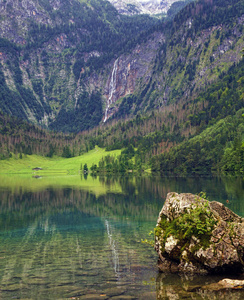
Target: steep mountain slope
<point>48,49</point>
<point>218,142</point>
<point>197,48</point>
<point>73,64</point>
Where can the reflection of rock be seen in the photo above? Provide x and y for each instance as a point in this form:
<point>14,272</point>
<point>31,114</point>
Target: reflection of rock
<point>197,236</point>
<point>36,176</point>
<point>203,287</point>
<point>225,284</point>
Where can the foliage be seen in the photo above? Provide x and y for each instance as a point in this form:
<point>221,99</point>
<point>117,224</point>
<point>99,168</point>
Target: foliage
<point>196,221</point>
<point>147,241</point>
<point>85,167</point>
<point>225,97</point>
<point>217,146</point>
<point>209,152</point>
<point>129,161</point>
<point>87,114</point>
<point>201,9</point>
<point>66,152</point>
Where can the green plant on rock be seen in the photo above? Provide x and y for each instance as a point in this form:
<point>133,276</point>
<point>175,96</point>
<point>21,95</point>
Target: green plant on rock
<point>197,221</point>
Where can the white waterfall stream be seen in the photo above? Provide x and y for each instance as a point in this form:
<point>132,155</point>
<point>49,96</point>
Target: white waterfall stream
<point>112,89</point>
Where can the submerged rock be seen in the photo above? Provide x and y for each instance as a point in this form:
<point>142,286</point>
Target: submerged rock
<point>197,236</point>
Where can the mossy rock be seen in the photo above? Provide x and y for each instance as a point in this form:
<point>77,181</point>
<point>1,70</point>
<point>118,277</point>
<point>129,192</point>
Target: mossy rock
<point>199,236</point>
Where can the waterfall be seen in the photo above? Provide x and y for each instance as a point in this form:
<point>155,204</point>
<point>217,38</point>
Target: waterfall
<point>112,89</point>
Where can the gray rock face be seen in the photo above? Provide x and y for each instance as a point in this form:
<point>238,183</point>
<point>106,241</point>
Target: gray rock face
<point>131,7</point>
<point>131,68</point>
<point>194,235</point>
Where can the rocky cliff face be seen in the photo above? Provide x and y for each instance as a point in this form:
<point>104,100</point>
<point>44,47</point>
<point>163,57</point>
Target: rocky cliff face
<point>17,16</point>
<point>164,71</point>
<point>49,51</point>
<point>127,73</point>
<point>131,7</point>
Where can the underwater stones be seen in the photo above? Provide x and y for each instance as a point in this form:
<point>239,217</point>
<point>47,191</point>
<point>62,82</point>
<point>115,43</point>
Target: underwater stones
<point>196,236</point>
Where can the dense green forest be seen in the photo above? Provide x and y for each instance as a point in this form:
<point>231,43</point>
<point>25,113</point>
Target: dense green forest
<point>218,149</point>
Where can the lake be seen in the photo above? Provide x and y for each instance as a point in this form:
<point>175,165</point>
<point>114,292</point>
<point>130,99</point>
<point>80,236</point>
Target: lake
<point>73,237</point>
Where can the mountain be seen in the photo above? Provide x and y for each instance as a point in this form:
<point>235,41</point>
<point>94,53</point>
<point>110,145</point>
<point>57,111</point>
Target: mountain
<point>71,65</point>
<point>48,51</point>
<point>179,60</point>
<point>131,7</point>
<point>179,140</point>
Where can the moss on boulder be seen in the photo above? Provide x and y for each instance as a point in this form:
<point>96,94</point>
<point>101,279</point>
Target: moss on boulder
<point>194,235</point>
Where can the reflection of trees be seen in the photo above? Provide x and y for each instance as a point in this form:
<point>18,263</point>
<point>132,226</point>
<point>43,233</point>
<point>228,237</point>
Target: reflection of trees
<point>18,209</point>
<point>142,198</point>
<point>234,189</point>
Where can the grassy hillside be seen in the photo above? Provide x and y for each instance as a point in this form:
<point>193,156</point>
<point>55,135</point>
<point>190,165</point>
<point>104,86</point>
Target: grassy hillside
<point>55,165</point>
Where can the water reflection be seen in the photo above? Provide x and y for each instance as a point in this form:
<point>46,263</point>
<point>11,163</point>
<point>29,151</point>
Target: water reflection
<point>82,238</point>
<point>115,255</point>
<point>172,286</point>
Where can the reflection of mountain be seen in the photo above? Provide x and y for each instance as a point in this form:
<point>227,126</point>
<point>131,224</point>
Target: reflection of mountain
<point>113,247</point>
<point>140,198</point>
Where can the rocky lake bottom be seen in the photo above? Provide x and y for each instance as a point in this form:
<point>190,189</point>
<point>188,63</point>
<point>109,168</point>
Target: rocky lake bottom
<point>85,243</point>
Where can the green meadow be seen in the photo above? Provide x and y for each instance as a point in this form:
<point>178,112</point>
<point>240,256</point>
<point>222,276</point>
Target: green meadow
<point>54,165</point>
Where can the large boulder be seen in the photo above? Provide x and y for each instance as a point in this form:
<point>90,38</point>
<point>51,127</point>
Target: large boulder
<point>194,235</point>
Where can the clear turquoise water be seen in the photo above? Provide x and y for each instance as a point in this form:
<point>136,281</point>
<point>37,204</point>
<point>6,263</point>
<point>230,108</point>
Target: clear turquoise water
<point>66,242</point>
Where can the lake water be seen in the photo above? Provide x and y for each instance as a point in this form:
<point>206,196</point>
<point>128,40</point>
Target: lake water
<point>80,238</point>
